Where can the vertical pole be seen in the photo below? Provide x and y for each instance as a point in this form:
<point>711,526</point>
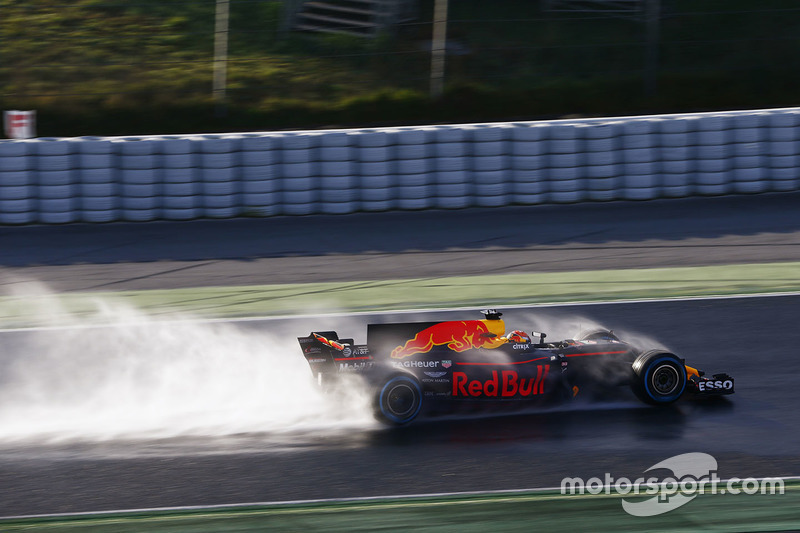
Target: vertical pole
<point>652,23</point>
<point>438,48</point>
<point>221,55</point>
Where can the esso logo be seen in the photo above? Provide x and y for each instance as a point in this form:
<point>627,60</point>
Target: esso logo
<point>715,385</point>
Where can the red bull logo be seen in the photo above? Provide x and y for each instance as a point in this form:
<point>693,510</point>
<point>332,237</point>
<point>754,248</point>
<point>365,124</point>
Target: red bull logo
<point>456,335</point>
<point>505,385</point>
<point>333,344</point>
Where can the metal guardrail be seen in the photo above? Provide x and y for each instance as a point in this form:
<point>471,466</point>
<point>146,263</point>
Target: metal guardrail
<point>93,179</point>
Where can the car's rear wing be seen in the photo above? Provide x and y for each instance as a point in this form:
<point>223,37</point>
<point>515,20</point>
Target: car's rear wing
<point>326,353</point>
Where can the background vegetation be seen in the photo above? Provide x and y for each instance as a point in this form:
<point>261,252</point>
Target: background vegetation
<point>108,67</point>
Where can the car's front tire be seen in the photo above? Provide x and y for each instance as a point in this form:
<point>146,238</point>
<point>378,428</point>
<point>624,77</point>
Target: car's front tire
<point>659,377</point>
<point>399,400</point>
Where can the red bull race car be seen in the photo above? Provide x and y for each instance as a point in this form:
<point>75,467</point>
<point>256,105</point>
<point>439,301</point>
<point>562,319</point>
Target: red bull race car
<point>468,365</point>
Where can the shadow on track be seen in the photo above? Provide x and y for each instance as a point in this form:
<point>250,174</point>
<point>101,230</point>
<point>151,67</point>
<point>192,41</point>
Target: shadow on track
<point>562,427</point>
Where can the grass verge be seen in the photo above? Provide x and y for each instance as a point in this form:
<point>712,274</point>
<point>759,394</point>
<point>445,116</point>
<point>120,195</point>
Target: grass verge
<point>496,290</point>
<point>542,510</point>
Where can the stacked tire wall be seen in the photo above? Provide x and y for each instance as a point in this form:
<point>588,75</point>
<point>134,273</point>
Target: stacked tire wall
<point>91,179</point>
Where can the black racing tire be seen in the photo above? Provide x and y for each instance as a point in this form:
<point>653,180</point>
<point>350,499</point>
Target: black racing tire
<point>659,377</point>
<point>598,335</point>
<point>399,400</point>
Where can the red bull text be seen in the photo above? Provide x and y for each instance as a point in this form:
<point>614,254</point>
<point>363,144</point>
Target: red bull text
<point>505,384</point>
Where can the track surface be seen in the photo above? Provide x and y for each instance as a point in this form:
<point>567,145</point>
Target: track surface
<point>755,434</point>
<point>700,231</point>
<point>756,340</point>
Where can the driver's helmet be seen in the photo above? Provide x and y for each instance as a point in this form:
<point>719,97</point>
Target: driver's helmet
<point>518,337</point>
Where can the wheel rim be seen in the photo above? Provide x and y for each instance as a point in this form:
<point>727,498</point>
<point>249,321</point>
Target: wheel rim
<point>665,379</point>
<point>400,399</point>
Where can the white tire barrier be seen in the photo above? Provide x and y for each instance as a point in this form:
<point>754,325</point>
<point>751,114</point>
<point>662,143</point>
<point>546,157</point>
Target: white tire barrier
<point>94,179</point>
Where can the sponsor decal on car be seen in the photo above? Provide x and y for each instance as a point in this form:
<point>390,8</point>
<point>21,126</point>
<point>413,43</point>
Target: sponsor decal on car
<point>457,335</point>
<point>504,384</point>
<point>415,364</point>
<point>710,385</point>
<point>317,360</point>
<point>521,346</point>
<point>436,377</point>
<point>354,366</point>
<point>446,363</point>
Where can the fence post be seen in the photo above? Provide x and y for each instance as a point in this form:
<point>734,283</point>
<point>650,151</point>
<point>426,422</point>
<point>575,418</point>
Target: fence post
<point>221,55</point>
<point>438,48</point>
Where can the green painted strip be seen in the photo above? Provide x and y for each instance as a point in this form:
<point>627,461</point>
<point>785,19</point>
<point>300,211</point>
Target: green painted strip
<point>546,511</point>
<point>496,290</point>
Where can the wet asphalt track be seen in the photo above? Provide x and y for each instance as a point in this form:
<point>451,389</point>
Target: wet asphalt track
<point>757,433</point>
<point>663,233</point>
<point>754,434</point>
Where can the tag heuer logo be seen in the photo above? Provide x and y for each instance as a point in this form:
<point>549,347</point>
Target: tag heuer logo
<point>447,364</point>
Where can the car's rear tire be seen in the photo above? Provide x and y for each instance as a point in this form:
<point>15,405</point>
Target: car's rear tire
<point>399,400</point>
<point>598,335</point>
<point>659,377</point>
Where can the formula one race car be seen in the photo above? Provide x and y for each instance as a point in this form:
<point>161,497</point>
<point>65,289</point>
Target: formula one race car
<point>474,364</point>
